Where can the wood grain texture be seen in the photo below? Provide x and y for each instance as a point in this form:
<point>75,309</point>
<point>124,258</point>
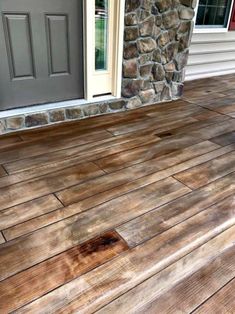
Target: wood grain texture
<point>88,152</point>
<point>3,173</point>
<point>207,172</point>
<point>2,240</point>
<point>73,195</point>
<point>144,153</point>
<point>157,221</point>
<point>119,178</point>
<point>57,271</point>
<point>222,302</point>
<point>184,285</point>
<point>9,140</point>
<point>224,139</point>
<point>26,191</point>
<point>100,195</point>
<point>29,210</point>
<point>63,235</point>
<point>214,130</point>
<point>100,286</point>
<point>193,290</point>
<point>27,149</point>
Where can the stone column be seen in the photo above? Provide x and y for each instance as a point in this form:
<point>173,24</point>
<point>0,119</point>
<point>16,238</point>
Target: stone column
<point>156,46</point>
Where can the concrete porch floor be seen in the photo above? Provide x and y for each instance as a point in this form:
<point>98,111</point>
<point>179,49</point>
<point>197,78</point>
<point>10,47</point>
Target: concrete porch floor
<point>126,213</point>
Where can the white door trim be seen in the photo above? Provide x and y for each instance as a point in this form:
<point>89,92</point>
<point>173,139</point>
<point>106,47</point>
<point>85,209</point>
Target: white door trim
<point>102,82</point>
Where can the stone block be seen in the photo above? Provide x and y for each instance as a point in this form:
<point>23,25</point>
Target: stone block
<point>147,96</point>
<point>57,115</point>
<point>146,70</point>
<point>146,45</point>
<point>159,86</point>
<point>189,3</point>
<point>130,69</point>
<point>132,5</point>
<point>131,33</point>
<point>131,19</point>
<point>15,123</point>
<point>143,15</point>
<point>181,60</point>
<point>170,19</point>
<point>166,93</point>
<point>73,113</point>
<point>133,103</point>
<point>91,110</point>
<point>158,72</point>
<point>157,56</point>
<point>147,27</point>
<point>36,119</point>
<point>145,58</point>
<point>163,39</point>
<point>177,90</point>
<point>104,108</point>
<point>131,87</point>
<point>130,50</point>
<point>186,13</point>
<point>163,5</point>
<point>117,105</point>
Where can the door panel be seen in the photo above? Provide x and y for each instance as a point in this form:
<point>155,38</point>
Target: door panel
<point>58,44</point>
<point>19,45</point>
<point>41,51</point>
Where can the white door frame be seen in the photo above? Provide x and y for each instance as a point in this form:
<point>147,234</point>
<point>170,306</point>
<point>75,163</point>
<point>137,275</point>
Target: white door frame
<point>103,82</point>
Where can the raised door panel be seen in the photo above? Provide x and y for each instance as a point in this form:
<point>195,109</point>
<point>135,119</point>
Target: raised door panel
<point>58,44</point>
<point>19,45</point>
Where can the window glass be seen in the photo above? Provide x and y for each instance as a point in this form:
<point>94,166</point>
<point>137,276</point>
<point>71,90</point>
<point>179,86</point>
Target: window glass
<point>101,34</point>
<point>213,13</point>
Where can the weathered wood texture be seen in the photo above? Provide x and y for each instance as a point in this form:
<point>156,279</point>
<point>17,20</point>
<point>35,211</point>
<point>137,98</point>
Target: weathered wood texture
<point>31,284</point>
<point>125,213</point>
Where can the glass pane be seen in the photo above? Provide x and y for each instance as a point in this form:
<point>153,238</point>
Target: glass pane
<point>213,13</point>
<point>101,34</point>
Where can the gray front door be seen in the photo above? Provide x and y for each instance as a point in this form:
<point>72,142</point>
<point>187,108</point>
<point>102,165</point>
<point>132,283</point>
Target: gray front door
<point>40,51</point>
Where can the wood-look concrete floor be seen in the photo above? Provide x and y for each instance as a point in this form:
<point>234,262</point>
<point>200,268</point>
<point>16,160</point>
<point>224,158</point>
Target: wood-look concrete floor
<point>126,213</point>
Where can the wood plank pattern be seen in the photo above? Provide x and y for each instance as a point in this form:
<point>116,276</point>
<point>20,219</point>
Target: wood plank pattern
<point>26,211</point>
<point>141,154</point>
<point>184,285</point>
<point>119,178</point>
<point>123,213</point>
<point>61,236</point>
<point>224,139</point>
<point>2,240</point>
<point>157,221</point>
<point>187,295</point>
<point>26,191</point>
<point>128,270</point>
<point>222,302</point>
<point>29,285</point>
<point>209,171</point>
<point>2,172</point>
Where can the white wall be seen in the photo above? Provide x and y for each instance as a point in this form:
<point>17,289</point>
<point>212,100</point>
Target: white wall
<point>211,54</point>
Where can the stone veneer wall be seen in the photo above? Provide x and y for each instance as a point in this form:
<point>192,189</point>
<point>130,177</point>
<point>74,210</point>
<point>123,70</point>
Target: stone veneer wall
<point>156,39</point>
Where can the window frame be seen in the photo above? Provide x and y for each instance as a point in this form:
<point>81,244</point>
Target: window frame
<point>95,82</point>
<point>231,23</point>
<point>212,29</point>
